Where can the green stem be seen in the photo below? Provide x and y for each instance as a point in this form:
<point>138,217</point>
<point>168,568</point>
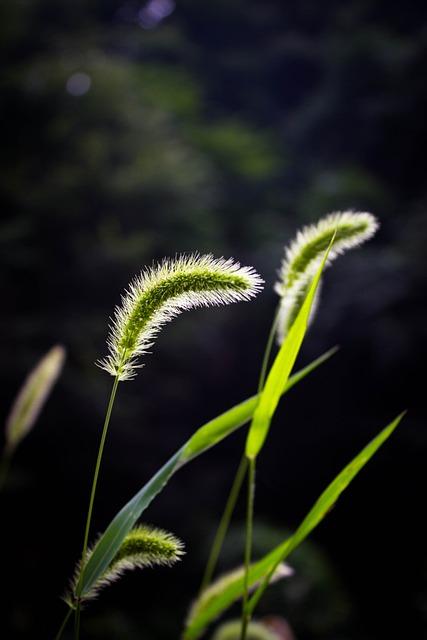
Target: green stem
<point>248,546</point>
<point>261,589</point>
<point>77,619</point>
<point>238,479</point>
<point>64,624</point>
<point>251,488</point>
<point>92,500</point>
<point>267,352</point>
<point>224,524</point>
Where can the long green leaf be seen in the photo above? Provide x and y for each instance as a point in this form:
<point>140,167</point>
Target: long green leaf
<point>280,371</point>
<point>264,568</point>
<point>203,439</point>
<point>215,430</point>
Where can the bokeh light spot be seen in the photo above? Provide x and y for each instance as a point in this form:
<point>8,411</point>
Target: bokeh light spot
<point>78,84</point>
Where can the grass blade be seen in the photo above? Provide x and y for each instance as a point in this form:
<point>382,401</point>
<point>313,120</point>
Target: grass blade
<point>280,371</point>
<point>264,568</point>
<point>203,439</point>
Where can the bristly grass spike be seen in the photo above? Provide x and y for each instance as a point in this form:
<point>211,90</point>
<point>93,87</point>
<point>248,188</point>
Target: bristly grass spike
<point>32,397</point>
<point>304,254</point>
<point>163,291</point>
<point>143,547</point>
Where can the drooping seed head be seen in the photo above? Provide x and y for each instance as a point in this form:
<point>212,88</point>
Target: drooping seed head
<point>214,590</point>
<point>163,291</point>
<point>304,254</point>
<point>32,396</point>
<point>143,547</point>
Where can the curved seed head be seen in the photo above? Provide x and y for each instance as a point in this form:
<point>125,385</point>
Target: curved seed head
<point>32,396</point>
<point>163,291</point>
<point>214,590</point>
<point>304,254</point>
<point>143,547</point>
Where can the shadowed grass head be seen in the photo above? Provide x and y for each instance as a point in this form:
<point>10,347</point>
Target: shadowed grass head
<point>211,593</point>
<point>161,292</point>
<point>304,254</point>
<point>142,547</point>
<point>32,396</point>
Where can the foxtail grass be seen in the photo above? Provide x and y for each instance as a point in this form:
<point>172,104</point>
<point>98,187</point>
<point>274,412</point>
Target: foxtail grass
<point>156,296</point>
<point>29,403</point>
<point>304,254</point>
<point>152,299</point>
<point>143,547</point>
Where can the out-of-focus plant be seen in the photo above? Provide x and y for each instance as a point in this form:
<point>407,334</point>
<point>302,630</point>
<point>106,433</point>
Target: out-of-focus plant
<point>29,402</point>
<point>231,631</point>
<point>152,299</point>
<point>216,588</point>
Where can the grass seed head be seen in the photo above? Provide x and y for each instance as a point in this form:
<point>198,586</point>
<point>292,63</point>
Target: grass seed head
<point>162,292</point>
<point>304,255</point>
<point>32,396</point>
<point>143,547</point>
<point>214,590</point>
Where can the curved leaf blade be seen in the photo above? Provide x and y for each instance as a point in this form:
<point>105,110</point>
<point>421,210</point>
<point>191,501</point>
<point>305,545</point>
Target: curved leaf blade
<point>281,369</point>
<point>264,568</point>
<point>203,439</point>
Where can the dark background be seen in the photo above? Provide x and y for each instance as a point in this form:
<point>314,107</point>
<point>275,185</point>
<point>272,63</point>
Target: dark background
<point>219,127</point>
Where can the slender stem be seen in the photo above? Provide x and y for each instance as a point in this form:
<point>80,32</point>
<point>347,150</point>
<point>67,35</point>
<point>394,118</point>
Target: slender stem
<point>224,523</point>
<point>261,589</point>
<point>248,546</point>
<point>267,352</point>
<point>64,624</point>
<point>92,500</point>
<point>77,619</point>
<point>238,479</point>
<point>251,488</point>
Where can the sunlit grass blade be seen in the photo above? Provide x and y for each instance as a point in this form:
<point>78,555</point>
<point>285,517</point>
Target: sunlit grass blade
<point>264,568</point>
<point>220,427</point>
<point>280,371</point>
<point>203,439</point>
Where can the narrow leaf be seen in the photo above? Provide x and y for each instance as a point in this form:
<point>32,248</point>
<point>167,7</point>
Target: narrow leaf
<point>265,567</point>
<point>215,430</point>
<point>203,439</point>
<point>280,371</point>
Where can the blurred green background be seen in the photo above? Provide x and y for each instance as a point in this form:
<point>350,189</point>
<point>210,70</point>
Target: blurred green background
<point>137,130</point>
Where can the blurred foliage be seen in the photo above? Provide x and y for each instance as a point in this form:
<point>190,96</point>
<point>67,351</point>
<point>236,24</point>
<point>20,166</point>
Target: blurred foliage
<point>134,129</point>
